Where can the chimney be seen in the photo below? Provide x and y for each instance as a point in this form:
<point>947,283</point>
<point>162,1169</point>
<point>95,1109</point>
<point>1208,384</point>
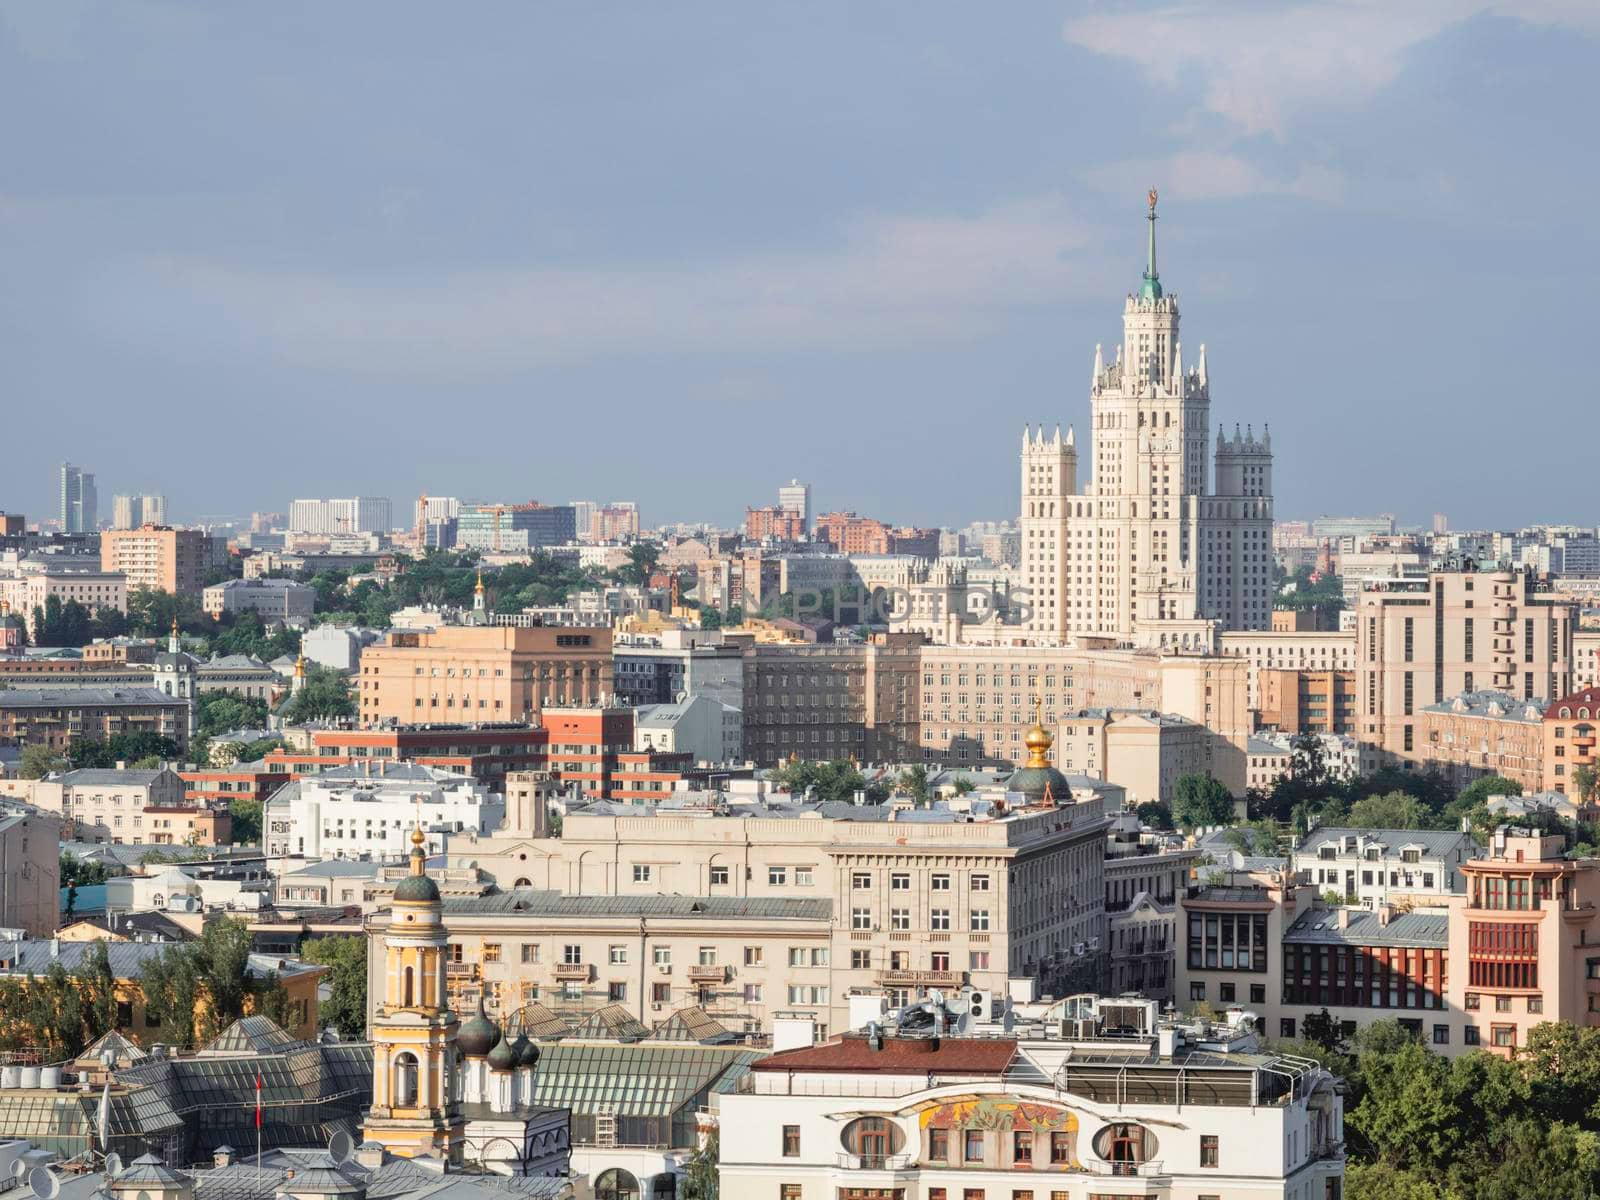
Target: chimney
<point>1344,918</point>
<point>1385,912</point>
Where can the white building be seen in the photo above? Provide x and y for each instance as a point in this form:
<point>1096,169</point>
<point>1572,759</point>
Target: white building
<point>355,812</point>
<point>1094,1099</point>
<point>795,497</point>
<point>1376,865</point>
<point>358,514</point>
<point>337,647</point>
<point>1152,551</point>
<point>708,729</point>
<point>274,599</point>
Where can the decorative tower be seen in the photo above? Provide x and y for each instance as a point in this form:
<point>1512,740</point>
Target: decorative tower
<point>416,1093</point>
<point>1049,481</point>
<point>299,683</point>
<point>480,606</point>
<point>174,675</point>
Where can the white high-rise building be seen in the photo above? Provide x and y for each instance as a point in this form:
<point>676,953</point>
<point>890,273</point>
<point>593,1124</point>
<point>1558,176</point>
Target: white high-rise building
<point>1148,554</point>
<point>795,497</point>
<point>358,514</point>
<point>130,512</point>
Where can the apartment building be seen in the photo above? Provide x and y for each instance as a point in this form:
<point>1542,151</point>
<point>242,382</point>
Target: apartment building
<point>1421,641</point>
<point>487,752</point>
<point>1143,751</point>
<point>1266,650</point>
<point>481,673</point>
<point>1568,741</point>
<point>1485,733</point>
<point>1472,970</point>
<point>272,599</point>
<point>1145,874</point>
<point>59,716</point>
<point>775,522</point>
<point>1303,701</point>
<point>824,701</point>
<point>674,664</point>
<point>30,840</point>
<point>32,582</point>
<point>1370,867</point>
<point>902,902</point>
<point>161,557</point>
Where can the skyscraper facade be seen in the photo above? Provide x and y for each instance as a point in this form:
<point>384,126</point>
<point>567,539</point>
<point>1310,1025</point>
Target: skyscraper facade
<point>358,514</point>
<point>78,501</point>
<point>1163,547</point>
<point>130,512</point>
<point>795,497</point>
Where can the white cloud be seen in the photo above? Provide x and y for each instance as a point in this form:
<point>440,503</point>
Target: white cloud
<point>1262,63</point>
<point>891,281</point>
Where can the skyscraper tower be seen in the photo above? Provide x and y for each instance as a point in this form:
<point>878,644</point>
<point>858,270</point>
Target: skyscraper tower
<point>1148,554</point>
<point>78,501</point>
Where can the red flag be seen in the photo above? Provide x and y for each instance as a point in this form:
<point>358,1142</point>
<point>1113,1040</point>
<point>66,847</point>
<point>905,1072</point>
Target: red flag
<point>258,1099</point>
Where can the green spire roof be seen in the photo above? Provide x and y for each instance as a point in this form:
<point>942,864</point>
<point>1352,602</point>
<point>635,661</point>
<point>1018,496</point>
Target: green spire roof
<point>1150,289</point>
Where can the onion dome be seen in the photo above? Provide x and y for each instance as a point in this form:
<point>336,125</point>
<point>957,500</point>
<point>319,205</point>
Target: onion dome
<point>477,1034</point>
<point>527,1052</point>
<point>1039,779</point>
<point>501,1056</point>
<point>417,888</point>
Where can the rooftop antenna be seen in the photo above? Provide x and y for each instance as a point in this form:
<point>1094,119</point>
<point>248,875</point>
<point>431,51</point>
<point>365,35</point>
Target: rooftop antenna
<point>44,1183</point>
<point>339,1147</point>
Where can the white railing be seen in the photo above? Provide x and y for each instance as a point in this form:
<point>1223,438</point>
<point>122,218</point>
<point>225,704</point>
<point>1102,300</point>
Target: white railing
<point>874,1162</point>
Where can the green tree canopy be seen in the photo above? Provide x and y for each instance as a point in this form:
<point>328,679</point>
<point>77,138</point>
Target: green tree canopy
<point>1154,814</point>
<point>1200,800</point>
<point>1479,790</point>
<point>38,761</point>
<point>1397,810</point>
<point>326,694</point>
<point>836,780</point>
<point>346,1008</point>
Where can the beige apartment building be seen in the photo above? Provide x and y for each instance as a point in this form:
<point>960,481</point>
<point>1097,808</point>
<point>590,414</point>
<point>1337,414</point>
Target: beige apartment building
<point>481,673</point>
<point>934,900</point>
<point>977,701</point>
<point>33,582</point>
<point>30,869</point>
<point>1586,658</point>
<point>1485,733</point>
<point>1143,751</point>
<point>159,557</point>
<point>1421,641</point>
<point>1267,650</point>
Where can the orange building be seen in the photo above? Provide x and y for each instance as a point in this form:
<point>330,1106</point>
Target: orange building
<point>159,557</point>
<point>1298,701</point>
<point>772,521</point>
<point>853,534</point>
<point>1569,739</point>
<point>486,752</point>
<point>466,673</point>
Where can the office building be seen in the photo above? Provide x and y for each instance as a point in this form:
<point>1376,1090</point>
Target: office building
<point>130,512</point>
<point>1156,550</point>
<point>273,600</point>
<point>357,514</point>
<point>502,528</point>
<point>79,513</point>
<point>795,497</point>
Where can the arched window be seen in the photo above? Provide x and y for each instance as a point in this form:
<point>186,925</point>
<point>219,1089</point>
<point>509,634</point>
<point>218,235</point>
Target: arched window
<point>616,1184</point>
<point>874,1139</point>
<point>1125,1146</point>
<point>523,882</point>
<point>403,1092</point>
<point>407,989</point>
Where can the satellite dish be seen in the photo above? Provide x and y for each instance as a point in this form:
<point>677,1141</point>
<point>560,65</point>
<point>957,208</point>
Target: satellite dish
<point>113,1163</point>
<point>19,1168</point>
<point>44,1183</point>
<point>340,1146</point>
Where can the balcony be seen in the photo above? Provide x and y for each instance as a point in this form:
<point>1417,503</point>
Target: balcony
<point>707,973</point>
<point>875,1162</point>
<point>572,971</point>
<point>934,979</point>
<point>461,970</point>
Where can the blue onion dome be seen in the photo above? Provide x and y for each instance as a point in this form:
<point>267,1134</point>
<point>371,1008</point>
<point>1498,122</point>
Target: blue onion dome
<point>477,1034</point>
<point>501,1056</point>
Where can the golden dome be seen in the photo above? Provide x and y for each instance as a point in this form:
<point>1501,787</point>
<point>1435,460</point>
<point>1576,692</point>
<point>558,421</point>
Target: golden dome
<point>1038,739</point>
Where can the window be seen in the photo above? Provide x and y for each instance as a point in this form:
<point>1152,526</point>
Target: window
<point>802,877</point>
<point>616,955</point>
<point>491,952</point>
<point>1441,1035</point>
<point>939,919</point>
<point>1258,993</point>
<point>1472,1001</point>
<point>708,956</point>
<point>819,956</point>
<point>571,955</point>
<point>1286,1027</point>
<point>777,876</point>
<point>616,993</point>
<point>789,1191</point>
<point>861,880</point>
<point>1060,1147</point>
<point>530,953</point>
<point>1469,1035</point>
<point>1503,1035</point>
<point>1208,1150</point>
<point>641,872</point>
<point>980,919</point>
<point>1226,993</point>
<point>939,1145</point>
<point>797,956</point>
<point>978,960</point>
<point>1022,1146</point>
<point>660,993</point>
<point>1502,1004</point>
<point>791,1141</point>
<point>1197,990</point>
<point>752,956</point>
<point>861,960</point>
<point>972,1146</point>
<point>873,1139</point>
<point>860,918</point>
<point>979,883</point>
<point>939,883</point>
<point>900,918</point>
<point>900,882</point>
<point>719,876</point>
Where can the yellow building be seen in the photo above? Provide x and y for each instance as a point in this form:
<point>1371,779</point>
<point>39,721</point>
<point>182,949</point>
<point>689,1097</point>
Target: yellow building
<point>416,1089</point>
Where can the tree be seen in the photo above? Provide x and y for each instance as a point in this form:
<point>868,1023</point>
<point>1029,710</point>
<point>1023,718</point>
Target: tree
<point>913,782</point>
<point>1585,781</point>
<point>75,870</point>
<point>1320,1029</point>
<point>223,712</point>
<point>641,564</point>
<point>700,1179</point>
<point>1479,790</point>
<point>1200,800</point>
<point>837,780</point>
<point>246,814</point>
<point>1154,814</point>
<point>326,694</point>
<point>346,1007</point>
<point>38,761</point>
<point>122,747</point>
<point>58,624</point>
<point>1396,810</point>
<point>214,969</point>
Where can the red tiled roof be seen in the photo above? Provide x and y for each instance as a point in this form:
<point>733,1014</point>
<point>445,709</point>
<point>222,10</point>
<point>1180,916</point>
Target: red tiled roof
<point>1589,697</point>
<point>899,1055</point>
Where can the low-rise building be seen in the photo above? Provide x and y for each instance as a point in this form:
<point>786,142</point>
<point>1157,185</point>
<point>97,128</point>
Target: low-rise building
<point>487,752</point>
<point>31,583</point>
<point>925,1112</point>
<point>1145,751</point>
<point>707,730</point>
<point>354,813</point>
<point>1145,874</point>
<point>274,600</point>
<point>1373,866</point>
<point>1485,733</point>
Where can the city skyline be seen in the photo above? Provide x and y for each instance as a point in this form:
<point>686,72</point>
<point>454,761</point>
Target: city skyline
<point>928,274</point>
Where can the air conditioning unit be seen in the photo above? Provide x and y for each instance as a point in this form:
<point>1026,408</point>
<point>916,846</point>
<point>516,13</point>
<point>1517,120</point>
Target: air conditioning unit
<point>664,968</point>
<point>1078,949</point>
<point>978,1005</point>
<point>1094,943</point>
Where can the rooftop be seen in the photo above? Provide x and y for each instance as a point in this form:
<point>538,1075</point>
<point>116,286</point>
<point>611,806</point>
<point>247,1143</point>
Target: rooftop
<point>854,1053</point>
<point>1428,928</point>
<point>532,903</point>
<point>71,697</point>
<point>1432,843</point>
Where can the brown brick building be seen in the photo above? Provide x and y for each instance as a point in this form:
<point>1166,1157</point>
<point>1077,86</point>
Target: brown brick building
<point>1298,701</point>
<point>158,556</point>
<point>57,717</point>
<point>772,521</point>
<point>475,673</point>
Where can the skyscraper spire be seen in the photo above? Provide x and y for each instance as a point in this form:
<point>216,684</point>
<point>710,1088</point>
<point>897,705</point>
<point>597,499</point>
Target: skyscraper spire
<point>1150,289</point>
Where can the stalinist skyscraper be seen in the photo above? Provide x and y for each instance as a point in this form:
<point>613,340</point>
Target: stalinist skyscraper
<point>1151,552</point>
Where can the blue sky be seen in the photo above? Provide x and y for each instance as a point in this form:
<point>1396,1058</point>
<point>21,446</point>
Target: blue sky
<point>680,253</point>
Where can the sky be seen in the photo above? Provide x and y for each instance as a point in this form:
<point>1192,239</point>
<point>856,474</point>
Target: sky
<point>680,253</point>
